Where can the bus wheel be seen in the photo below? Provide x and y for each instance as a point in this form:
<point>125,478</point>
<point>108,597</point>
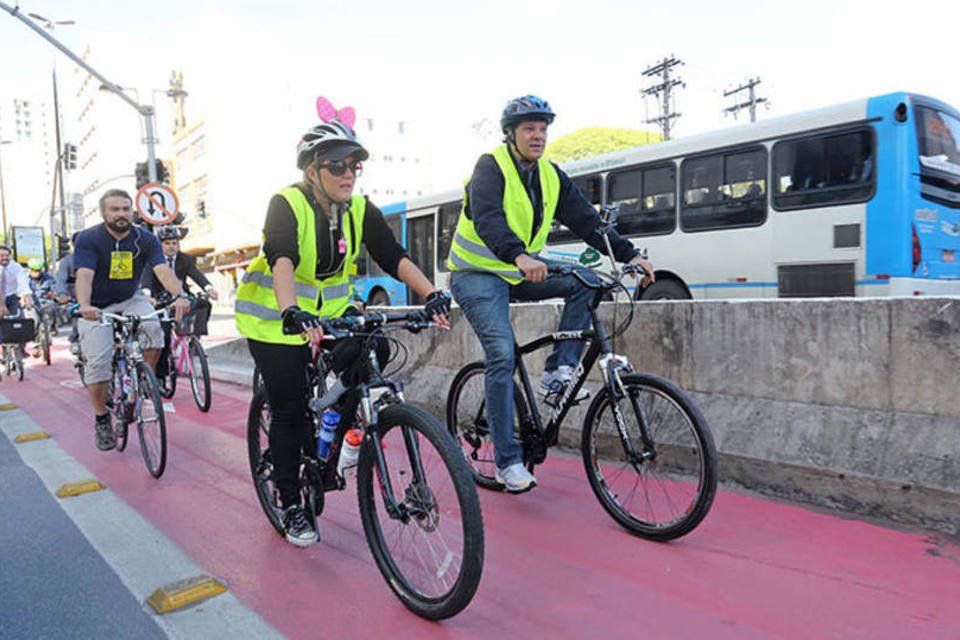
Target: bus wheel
<point>379,298</point>
<point>665,290</point>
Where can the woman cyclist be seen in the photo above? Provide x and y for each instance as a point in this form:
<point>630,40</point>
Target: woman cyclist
<point>312,237</point>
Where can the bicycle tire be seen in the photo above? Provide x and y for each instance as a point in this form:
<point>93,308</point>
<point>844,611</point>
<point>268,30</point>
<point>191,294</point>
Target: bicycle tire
<point>457,564</point>
<point>153,440</point>
<point>468,424</point>
<point>45,346</point>
<point>682,477</point>
<point>201,386</point>
<point>258,454</point>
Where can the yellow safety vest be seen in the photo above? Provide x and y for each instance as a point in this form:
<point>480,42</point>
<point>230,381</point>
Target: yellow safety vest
<point>468,252</point>
<point>257,311</point>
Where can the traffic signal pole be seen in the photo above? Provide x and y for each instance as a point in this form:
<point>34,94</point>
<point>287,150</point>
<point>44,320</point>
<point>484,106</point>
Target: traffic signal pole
<point>144,110</point>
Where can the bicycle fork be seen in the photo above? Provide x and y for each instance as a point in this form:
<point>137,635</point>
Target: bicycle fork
<point>612,365</point>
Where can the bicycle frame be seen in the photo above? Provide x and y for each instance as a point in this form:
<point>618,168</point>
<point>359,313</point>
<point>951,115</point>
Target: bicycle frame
<point>599,347</point>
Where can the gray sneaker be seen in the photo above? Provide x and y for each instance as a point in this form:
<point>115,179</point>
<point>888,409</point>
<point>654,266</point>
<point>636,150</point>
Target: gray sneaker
<point>104,437</point>
<point>299,530</point>
<point>515,478</point>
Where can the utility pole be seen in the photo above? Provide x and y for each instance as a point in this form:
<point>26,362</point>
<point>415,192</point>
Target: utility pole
<point>751,102</point>
<point>662,92</point>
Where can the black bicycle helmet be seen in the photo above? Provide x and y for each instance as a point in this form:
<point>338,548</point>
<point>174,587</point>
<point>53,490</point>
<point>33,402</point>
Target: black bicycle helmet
<point>525,108</point>
<point>333,140</point>
<point>169,232</point>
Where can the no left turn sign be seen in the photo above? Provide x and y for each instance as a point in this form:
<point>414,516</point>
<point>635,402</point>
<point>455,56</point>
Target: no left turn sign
<point>157,203</point>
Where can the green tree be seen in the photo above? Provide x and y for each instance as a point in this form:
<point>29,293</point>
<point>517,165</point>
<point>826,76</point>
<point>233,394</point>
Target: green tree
<point>592,141</point>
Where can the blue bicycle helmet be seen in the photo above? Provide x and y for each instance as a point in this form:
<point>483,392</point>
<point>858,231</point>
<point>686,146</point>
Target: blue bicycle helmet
<point>525,108</point>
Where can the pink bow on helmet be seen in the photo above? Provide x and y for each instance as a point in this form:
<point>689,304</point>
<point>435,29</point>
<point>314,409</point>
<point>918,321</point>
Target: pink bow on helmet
<point>327,112</point>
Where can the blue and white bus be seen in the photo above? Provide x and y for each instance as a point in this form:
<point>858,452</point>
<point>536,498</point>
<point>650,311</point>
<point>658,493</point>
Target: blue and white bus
<point>857,199</point>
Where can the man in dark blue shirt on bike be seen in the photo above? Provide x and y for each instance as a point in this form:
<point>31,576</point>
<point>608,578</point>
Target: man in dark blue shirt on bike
<point>109,259</point>
<point>510,202</point>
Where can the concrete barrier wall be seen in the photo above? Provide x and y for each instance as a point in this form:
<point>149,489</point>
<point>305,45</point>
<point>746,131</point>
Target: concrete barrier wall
<point>844,403</point>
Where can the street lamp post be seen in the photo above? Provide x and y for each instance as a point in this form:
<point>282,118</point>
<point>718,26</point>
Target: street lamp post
<point>144,110</point>
<point>3,195</point>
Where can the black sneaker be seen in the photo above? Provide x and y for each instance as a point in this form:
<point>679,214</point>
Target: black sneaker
<point>104,437</point>
<point>300,531</point>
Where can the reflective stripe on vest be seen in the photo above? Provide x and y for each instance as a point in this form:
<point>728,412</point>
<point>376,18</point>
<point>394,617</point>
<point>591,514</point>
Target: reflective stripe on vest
<point>468,252</point>
<point>257,312</point>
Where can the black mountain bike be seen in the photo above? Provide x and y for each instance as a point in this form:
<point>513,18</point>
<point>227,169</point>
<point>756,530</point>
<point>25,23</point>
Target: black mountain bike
<point>648,452</point>
<point>419,507</point>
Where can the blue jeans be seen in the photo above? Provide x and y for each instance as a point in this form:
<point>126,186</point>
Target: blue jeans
<point>485,300</point>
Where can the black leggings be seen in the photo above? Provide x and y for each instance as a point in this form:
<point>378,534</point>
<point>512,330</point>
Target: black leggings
<point>283,368</point>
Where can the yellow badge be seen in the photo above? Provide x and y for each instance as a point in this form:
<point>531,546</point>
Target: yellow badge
<point>121,265</point>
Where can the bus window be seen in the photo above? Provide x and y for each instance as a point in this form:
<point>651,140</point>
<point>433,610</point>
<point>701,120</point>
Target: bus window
<point>646,200</point>
<point>724,190</point>
<point>825,170</point>
<point>420,248</point>
<point>449,214</point>
<point>938,134</point>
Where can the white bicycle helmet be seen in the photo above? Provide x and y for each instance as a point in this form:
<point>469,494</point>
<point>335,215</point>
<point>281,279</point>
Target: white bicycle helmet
<point>332,140</point>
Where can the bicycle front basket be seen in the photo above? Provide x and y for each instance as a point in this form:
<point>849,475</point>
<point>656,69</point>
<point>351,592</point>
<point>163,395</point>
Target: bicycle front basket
<point>17,330</point>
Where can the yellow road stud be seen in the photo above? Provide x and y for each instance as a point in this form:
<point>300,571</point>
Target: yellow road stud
<point>78,488</point>
<point>185,592</point>
<point>7,406</point>
<point>28,437</point>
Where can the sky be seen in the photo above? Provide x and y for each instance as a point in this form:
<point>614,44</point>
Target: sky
<point>450,64</point>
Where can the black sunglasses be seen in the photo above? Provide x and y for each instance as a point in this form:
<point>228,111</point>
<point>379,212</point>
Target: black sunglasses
<point>340,167</point>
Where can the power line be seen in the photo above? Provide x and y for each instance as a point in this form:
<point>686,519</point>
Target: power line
<point>751,102</point>
<point>662,91</point>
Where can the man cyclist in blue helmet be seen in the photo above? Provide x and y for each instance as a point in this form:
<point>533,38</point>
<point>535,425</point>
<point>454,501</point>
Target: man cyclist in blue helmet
<point>509,204</point>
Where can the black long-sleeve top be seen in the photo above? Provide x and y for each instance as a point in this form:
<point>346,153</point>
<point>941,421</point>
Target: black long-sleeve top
<point>485,208</point>
<point>280,237</point>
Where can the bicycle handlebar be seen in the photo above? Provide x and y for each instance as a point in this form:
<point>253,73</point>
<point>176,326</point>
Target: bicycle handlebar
<point>612,281</point>
<point>348,326</point>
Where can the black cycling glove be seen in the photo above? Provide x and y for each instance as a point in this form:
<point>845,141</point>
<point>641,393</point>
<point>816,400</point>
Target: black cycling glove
<point>438,303</point>
<point>296,320</point>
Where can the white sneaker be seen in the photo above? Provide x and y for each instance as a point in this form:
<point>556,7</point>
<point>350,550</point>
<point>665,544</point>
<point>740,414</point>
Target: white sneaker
<point>554,382</point>
<point>515,478</point>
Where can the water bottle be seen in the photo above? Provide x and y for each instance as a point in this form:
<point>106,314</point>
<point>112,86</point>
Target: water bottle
<point>328,428</point>
<point>347,465</point>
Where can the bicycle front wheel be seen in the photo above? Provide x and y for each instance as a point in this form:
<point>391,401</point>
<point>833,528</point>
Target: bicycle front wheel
<point>429,545</point>
<point>45,342</point>
<point>199,375</point>
<point>151,425</point>
<point>658,477</point>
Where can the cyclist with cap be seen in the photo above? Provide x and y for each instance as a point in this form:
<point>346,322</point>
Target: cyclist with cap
<point>509,204</point>
<point>313,235</point>
<point>41,288</point>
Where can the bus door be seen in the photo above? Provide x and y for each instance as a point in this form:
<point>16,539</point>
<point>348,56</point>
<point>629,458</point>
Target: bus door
<point>421,246</point>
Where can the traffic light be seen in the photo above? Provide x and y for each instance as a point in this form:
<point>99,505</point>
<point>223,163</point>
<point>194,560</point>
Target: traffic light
<point>143,174</point>
<point>202,208</point>
<point>63,246</point>
<point>69,156</point>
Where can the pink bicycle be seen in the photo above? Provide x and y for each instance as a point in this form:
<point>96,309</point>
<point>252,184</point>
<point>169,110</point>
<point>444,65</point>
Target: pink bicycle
<point>187,358</point>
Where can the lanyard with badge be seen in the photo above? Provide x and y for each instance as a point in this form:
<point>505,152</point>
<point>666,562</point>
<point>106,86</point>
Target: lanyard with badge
<point>121,263</point>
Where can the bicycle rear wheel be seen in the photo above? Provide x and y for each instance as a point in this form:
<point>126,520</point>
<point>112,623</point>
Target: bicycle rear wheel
<point>261,464</point>
<point>199,374</point>
<point>467,422</point>
<point>151,425</point>
<point>431,552</point>
<point>659,487</point>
